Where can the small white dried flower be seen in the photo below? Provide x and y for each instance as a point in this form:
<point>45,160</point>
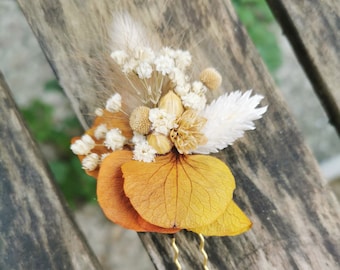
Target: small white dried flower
<point>99,111</point>
<point>144,152</point>
<point>144,54</point>
<point>87,139</point>
<point>100,132</point>
<point>114,139</point>
<point>80,148</point>
<point>228,117</point>
<point>177,76</point>
<point>138,138</point>
<point>182,59</point>
<point>161,121</point>
<point>182,90</point>
<point>120,57</point>
<point>90,162</point>
<point>83,146</point>
<point>164,64</point>
<point>198,88</point>
<point>194,101</point>
<point>180,80</point>
<point>130,65</point>
<point>114,103</point>
<point>168,52</point>
<point>144,70</point>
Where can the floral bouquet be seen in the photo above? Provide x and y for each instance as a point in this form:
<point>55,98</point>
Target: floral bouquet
<point>150,142</point>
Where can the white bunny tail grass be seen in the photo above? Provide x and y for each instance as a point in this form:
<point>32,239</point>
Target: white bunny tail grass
<point>126,34</point>
<point>228,117</point>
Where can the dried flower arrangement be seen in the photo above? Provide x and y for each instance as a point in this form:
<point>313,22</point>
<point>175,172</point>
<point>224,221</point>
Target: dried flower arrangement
<point>149,147</point>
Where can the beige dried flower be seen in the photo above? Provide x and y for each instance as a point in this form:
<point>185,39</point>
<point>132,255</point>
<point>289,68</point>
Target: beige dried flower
<point>139,120</point>
<point>172,104</point>
<point>211,78</point>
<point>188,136</point>
<point>160,143</point>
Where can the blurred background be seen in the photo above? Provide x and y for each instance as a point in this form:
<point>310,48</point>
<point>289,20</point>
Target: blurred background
<point>52,122</point>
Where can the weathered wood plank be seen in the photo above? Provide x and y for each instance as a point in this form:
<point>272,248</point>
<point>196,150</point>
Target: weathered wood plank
<point>36,231</point>
<point>296,219</point>
<point>313,28</point>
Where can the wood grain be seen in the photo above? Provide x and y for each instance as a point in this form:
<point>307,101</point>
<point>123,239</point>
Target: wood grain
<point>313,27</point>
<point>296,218</point>
<point>36,231</point>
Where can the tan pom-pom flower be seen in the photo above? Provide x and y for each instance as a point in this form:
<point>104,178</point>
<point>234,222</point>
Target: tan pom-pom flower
<point>211,78</point>
<point>160,143</point>
<point>139,120</point>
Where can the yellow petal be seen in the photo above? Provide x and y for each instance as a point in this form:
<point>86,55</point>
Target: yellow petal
<point>179,191</point>
<point>232,222</point>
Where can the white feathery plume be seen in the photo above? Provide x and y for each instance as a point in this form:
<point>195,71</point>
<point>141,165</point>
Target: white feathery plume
<point>228,117</point>
<point>126,34</point>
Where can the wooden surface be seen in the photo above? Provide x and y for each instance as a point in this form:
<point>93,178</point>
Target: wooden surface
<point>36,231</point>
<point>296,218</point>
<point>313,29</point>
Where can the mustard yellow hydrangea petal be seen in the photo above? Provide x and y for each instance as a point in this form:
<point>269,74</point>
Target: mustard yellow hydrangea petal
<point>179,191</point>
<point>232,222</point>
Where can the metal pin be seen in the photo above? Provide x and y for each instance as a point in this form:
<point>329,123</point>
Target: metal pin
<point>205,255</point>
<point>176,252</point>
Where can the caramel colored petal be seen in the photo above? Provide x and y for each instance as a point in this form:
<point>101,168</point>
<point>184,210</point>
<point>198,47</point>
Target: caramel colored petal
<point>178,191</point>
<point>111,197</point>
<point>232,222</point>
<point>113,120</point>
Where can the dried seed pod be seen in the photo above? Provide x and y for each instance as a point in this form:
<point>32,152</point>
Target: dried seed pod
<point>172,104</point>
<point>139,120</point>
<point>211,78</point>
<point>160,143</point>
